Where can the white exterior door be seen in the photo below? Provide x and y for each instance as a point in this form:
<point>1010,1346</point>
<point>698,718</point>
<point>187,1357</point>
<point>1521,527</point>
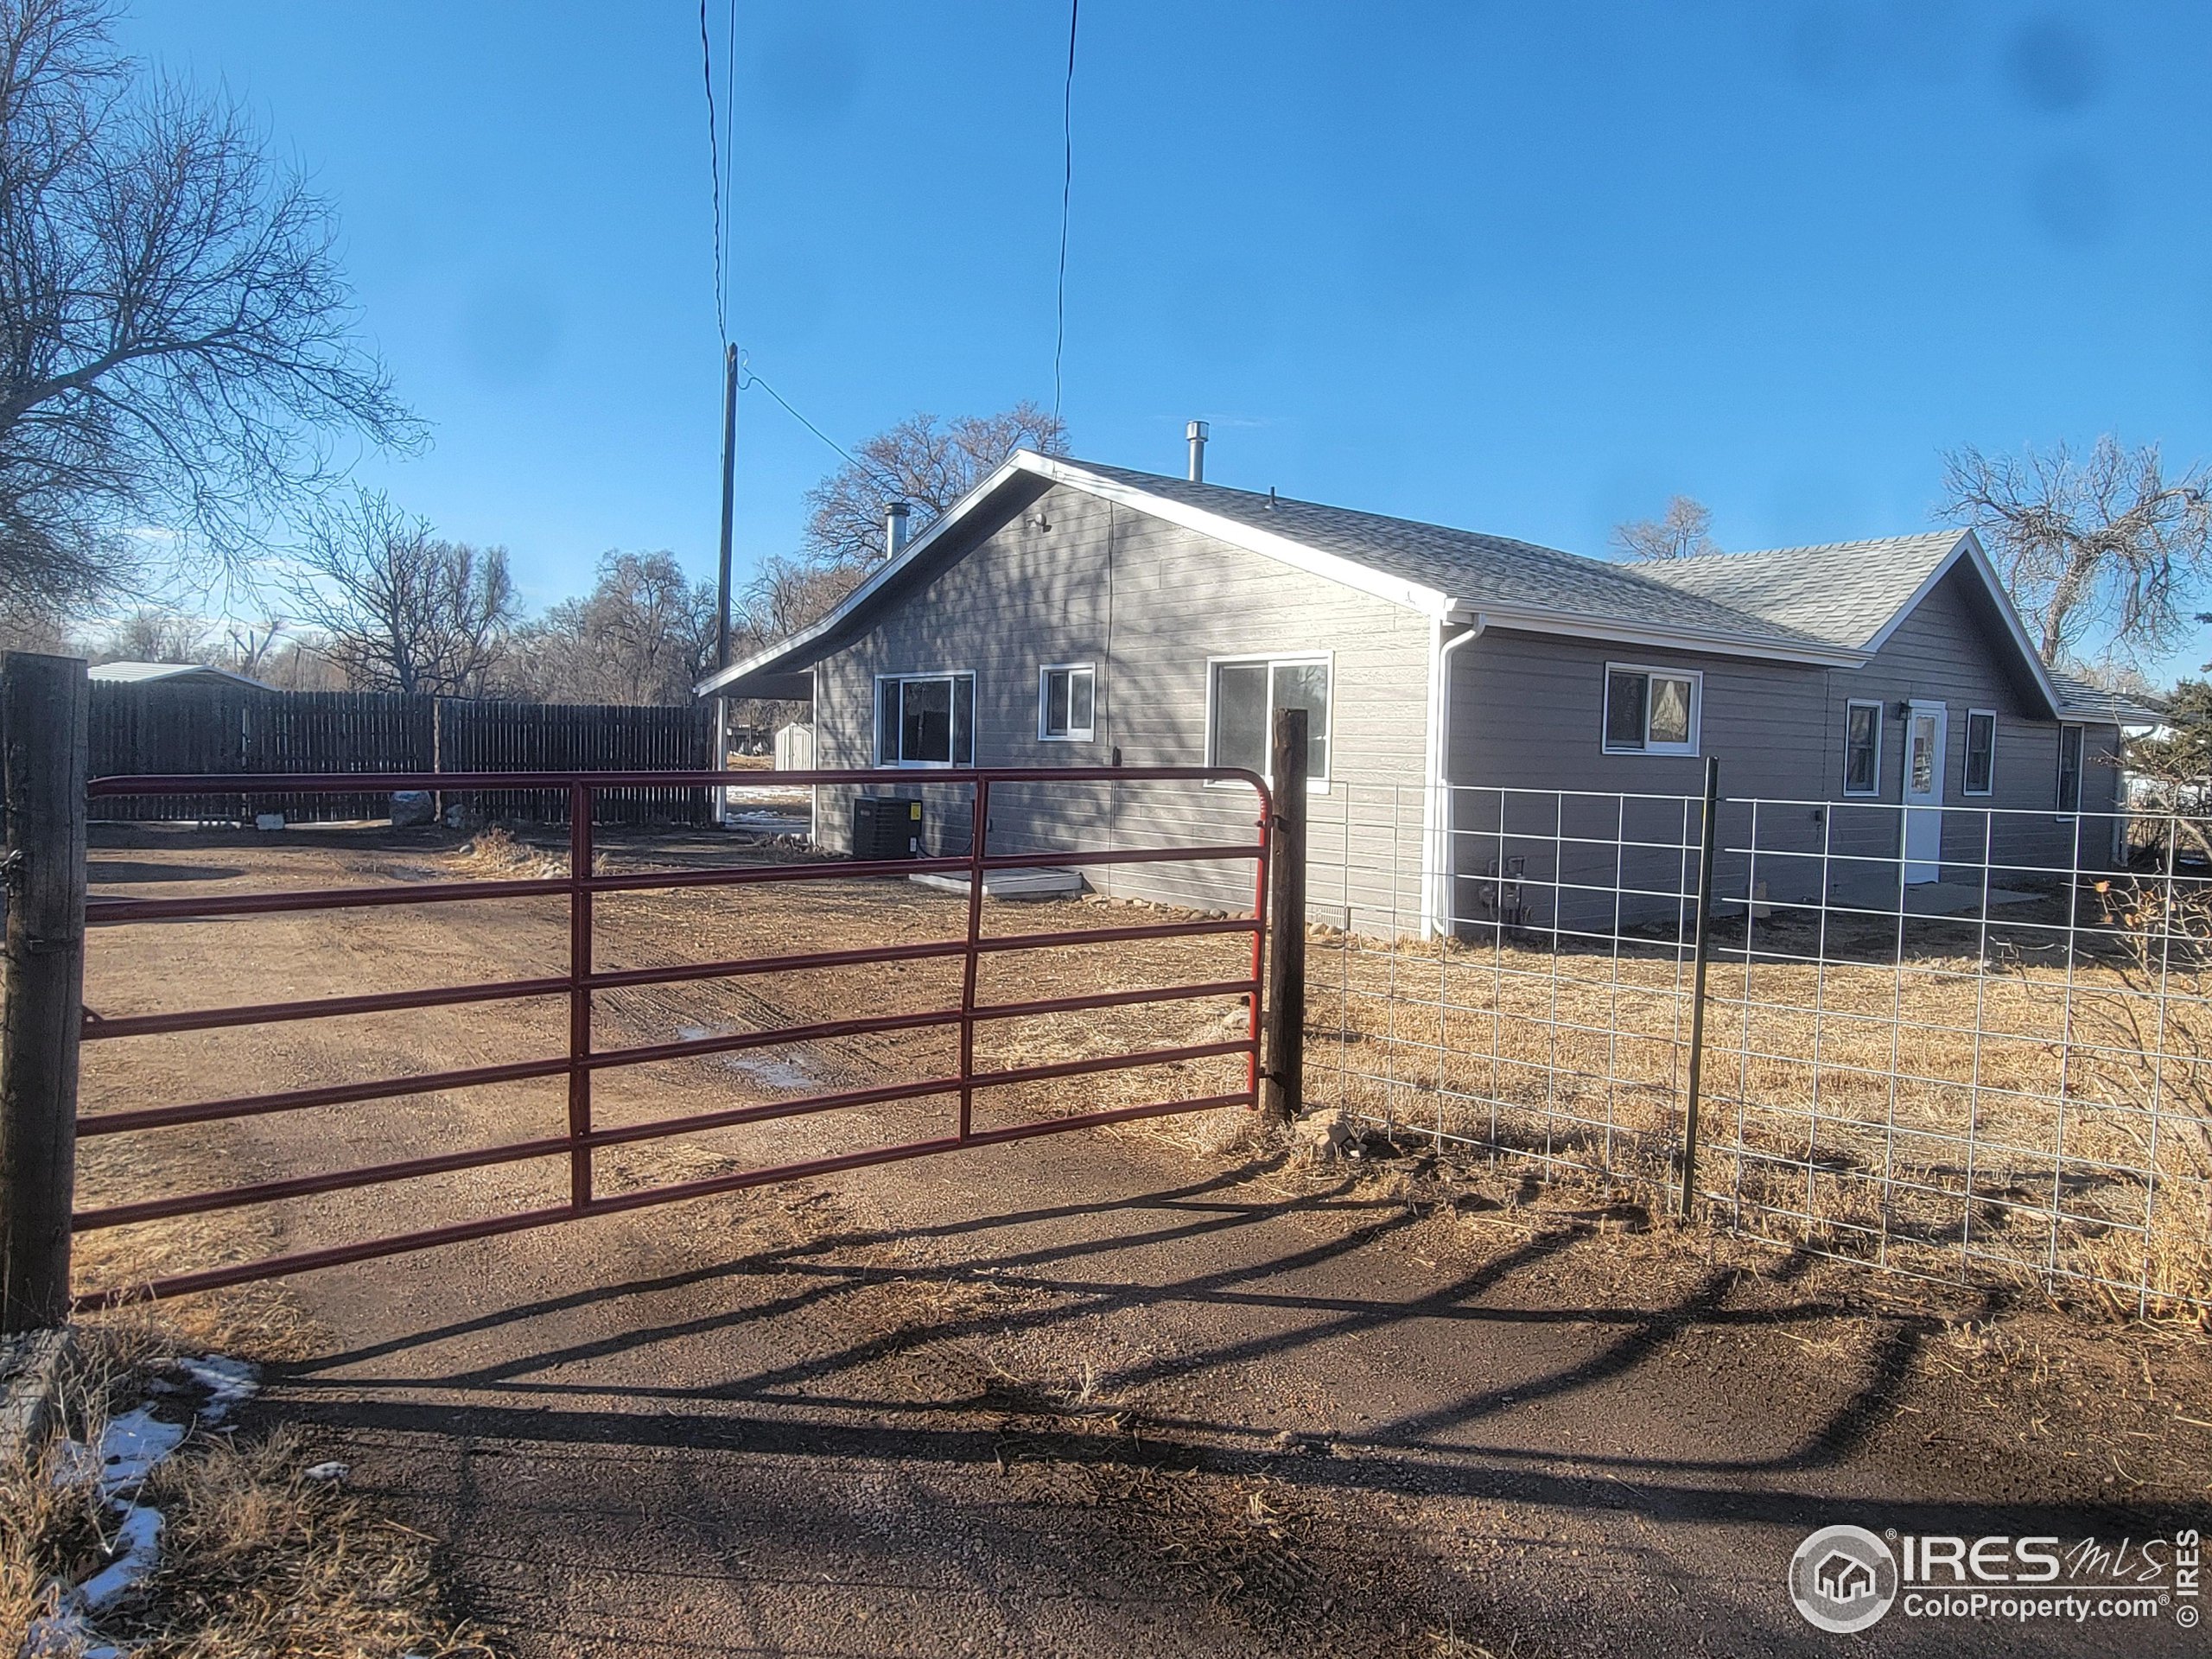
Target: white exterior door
<point>1924,732</point>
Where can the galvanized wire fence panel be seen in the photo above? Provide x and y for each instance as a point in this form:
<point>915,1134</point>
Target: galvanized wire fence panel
<point>1971,1044</point>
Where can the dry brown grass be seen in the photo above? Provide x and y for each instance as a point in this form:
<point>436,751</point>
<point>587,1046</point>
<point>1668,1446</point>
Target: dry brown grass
<point>257,1560</point>
<point>1949,1117</point>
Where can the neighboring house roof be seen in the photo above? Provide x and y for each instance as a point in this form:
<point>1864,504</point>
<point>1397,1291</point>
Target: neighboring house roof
<point>169,673</point>
<point>1832,606</point>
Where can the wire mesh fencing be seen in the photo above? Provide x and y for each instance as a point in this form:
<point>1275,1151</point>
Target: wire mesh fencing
<point>1967,1043</point>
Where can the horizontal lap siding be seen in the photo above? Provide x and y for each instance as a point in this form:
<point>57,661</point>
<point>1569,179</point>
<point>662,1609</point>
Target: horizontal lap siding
<point>1945,651</point>
<point>1077,580</point>
<point>1528,712</point>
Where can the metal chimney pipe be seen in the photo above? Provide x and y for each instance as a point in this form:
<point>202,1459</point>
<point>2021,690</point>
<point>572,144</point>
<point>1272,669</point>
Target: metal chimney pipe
<point>894,528</point>
<point>1196,432</point>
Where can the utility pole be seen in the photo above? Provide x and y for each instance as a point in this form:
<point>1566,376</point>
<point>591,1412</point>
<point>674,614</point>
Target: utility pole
<point>721,575</point>
<point>729,503</point>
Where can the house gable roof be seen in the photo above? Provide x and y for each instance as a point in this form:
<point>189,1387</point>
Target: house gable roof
<point>1832,606</point>
<point>1849,593</point>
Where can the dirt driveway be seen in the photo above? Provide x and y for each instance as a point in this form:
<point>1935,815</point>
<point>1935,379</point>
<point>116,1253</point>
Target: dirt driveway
<point>1155,1390</point>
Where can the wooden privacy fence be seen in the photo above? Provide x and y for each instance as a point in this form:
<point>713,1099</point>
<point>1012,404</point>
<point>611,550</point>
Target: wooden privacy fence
<point>157,730</point>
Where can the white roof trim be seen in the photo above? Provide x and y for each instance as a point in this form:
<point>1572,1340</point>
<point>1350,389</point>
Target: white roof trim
<point>958,513</point>
<point>1349,572</point>
<point>1969,547</point>
<point>1713,644</point>
<point>1412,596</point>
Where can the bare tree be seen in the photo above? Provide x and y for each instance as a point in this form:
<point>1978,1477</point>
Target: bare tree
<point>644,634</point>
<point>299,663</point>
<point>787,595</point>
<point>2103,549</point>
<point>397,609</point>
<point>1682,532</point>
<point>249,647</point>
<point>176,341</point>
<point>27,626</point>
<point>150,634</point>
<point>923,463</point>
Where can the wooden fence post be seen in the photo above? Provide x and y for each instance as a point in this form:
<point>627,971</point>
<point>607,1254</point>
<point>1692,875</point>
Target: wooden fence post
<point>43,740</point>
<point>1285,1007</point>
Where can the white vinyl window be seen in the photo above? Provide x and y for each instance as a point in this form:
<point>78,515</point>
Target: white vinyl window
<point>1066,699</point>
<point>1862,748</point>
<point>926,719</point>
<point>1981,752</point>
<point>2069,769</point>
<point>1652,710</point>
<point>1242,694</point>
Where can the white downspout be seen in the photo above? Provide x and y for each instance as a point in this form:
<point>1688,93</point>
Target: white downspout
<point>1436,797</point>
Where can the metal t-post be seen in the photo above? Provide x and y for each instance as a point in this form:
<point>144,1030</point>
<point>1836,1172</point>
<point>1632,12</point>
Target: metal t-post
<point>1702,957</point>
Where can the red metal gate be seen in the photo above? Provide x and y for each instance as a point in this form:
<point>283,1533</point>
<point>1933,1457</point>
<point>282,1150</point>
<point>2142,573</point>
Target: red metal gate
<point>581,1063</point>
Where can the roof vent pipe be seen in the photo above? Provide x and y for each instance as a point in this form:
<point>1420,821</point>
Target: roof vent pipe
<point>1196,432</point>
<point>894,529</point>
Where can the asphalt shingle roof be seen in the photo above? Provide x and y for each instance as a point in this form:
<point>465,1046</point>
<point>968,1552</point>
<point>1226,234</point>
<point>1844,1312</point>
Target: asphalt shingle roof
<point>2087,697</point>
<point>1842,593</point>
<point>1835,597</point>
<point>1475,569</point>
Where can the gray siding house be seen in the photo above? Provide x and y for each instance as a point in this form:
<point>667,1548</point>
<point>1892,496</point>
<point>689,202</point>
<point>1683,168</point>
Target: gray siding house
<point>1482,709</point>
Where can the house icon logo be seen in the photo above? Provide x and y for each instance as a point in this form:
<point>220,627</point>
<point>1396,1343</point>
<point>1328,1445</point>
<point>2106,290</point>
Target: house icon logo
<point>1843,1579</point>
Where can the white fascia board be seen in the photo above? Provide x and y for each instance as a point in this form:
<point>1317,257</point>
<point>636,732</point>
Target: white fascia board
<point>1969,549</point>
<point>959,514</point>
<point>1347,572</point>
<point>1658,638</point>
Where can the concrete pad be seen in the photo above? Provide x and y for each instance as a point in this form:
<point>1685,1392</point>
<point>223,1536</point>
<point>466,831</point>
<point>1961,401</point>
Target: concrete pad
<point>1011,884</point>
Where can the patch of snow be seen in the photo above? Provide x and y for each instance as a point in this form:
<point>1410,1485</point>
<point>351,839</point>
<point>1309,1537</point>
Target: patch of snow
<point>61,1635</point>
<point>140,1540</point>
<point>230,1383</point>
<point>129,1447</point>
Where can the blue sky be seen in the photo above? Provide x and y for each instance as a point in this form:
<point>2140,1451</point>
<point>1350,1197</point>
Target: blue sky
<point>1525,268</point>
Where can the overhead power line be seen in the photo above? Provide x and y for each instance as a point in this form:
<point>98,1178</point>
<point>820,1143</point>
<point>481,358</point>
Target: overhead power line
<point>715,148</point>
<point>749,378</point>
<point>1067,191</point>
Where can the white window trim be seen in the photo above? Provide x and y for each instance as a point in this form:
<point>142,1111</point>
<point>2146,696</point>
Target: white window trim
<point>2058,773</point>
<point>1881,719</point>
<point>1666,751</point>
<point>1287,660</point>
<point>1044,673</point>
<point>876,721</point>
<point>1966,754</point>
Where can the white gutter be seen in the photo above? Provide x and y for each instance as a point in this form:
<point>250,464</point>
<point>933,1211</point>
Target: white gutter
<point>1710,643</point>
<point>1436,796</point>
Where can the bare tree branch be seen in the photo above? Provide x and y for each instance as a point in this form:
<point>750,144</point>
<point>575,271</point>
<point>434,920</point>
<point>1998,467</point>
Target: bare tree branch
<point>176,340</point>
<point>2102,551</point>
<point>925,464</point>
<point>644,634</point>
<point>399,609</point>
